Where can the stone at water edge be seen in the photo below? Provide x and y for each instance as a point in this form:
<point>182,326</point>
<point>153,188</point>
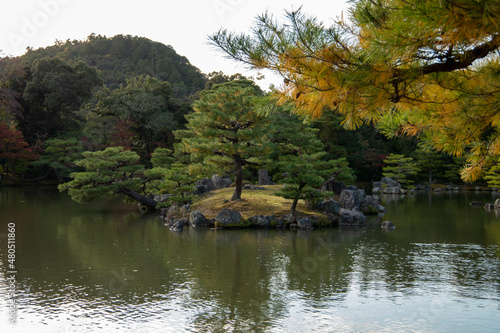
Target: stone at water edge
<point>497,203</point>
<point>304,223</point>
<point>489,206</point>
<point>228,217</point>
<point>351,218</point>
<point>177,226</point>
<point>387,225</point>
<point>197,219</point>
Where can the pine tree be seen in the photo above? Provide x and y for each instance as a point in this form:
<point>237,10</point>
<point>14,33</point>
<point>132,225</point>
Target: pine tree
<point>420,68</point>
<point>305,173</point>
<point>108,173</point>
<point>60,156</point>
<point>400,168</point>
<point>301,160</point>
<point>225,133</point>
<point>169,176</point>
<point>493,176</point>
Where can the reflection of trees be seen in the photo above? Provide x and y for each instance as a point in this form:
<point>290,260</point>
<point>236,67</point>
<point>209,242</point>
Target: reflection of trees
<point>245,280</point>
<point>238,280</point>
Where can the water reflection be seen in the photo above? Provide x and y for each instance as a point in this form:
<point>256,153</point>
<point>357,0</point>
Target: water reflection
<point>105,266</point>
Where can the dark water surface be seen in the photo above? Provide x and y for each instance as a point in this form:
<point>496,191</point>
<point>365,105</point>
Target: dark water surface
<point>104,267</point>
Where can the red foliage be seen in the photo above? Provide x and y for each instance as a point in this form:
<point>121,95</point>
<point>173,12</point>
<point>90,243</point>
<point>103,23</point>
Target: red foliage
<point>13,149</point>
<point>88,145</point>
<point>122,136</point>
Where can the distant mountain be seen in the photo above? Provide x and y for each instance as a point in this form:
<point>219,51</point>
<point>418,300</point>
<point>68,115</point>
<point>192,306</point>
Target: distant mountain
<point>121,57</point>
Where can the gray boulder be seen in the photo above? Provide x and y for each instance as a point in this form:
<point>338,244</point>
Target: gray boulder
<point>489,206</point>
<point>197,219</point>
<point>184,210</point>
<point>206,183</point>
<point>351,197</point>
<point>260,221</point>
<point>173,211</point>
<point>476,203</point>
<point>220,182</point>
<point>390,182</point>
<point>264,178</point>
<point>304,223</point>
<point>228,218</point>
<point>266,221</point>
<point>330,206</point>
<point>161,197</point>
<point>289,219</point>
<point>177,226</point>
<point>387,185</point>
<point>387,225</point>
<point>371,206</point>
<point>497,203</point>
<point>351,218</point>
<point>391,190</point>
<point>163,213</point>
<point>200,189</point>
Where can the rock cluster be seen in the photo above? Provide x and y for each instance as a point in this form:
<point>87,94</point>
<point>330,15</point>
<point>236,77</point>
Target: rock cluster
<point>216,182</point>
<point>387,185</point>
<point>490,206</point>
<point>349,211</point>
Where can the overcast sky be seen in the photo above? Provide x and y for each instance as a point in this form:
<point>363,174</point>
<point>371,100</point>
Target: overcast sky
<point>183,24</point>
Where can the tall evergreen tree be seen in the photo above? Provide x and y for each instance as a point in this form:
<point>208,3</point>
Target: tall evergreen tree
<point>225,132</point>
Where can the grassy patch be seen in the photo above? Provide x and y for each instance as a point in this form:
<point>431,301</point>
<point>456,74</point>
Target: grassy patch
<point>253,202</point>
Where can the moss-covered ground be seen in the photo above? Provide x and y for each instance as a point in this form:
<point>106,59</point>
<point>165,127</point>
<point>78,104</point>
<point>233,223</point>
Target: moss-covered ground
<point>253,202</point>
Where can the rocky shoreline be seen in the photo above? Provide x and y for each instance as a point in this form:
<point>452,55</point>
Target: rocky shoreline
<point>349,211</point>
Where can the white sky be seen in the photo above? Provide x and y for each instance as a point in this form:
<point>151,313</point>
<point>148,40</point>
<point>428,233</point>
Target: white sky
<point>183,24</point>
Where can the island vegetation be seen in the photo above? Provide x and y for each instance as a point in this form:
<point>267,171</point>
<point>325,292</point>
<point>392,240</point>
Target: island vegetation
<point>365,98</point>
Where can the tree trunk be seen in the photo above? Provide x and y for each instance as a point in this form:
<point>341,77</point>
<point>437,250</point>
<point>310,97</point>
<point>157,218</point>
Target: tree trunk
<point>264,177</point>
<point>238,180</point>
<point>143,200</point>
<point>296,200</point>
<point>294,205</point>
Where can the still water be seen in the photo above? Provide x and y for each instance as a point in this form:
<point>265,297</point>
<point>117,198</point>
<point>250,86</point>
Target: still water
<point>104,267</point>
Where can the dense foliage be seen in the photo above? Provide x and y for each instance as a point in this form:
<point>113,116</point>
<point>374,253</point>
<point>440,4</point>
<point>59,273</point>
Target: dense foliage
<point>420,68</point>
<point>107,173</point>
<point>128,116</point>
<point>121,57</point>
<point>225,131</point>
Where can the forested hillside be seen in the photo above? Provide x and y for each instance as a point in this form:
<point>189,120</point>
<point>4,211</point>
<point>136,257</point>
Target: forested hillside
<point>73,97</point>
<point>121,57</point>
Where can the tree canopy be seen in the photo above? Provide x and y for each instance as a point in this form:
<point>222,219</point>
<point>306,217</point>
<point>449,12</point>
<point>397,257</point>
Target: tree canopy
<point>122,56</point>
<point>225,132</point>
<point>53,94</point>
<point>420,68</point>
<point>147,106</point>
<point>107,173</point>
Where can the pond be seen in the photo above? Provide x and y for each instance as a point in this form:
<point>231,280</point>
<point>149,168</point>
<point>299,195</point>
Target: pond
<point>104,267</point>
